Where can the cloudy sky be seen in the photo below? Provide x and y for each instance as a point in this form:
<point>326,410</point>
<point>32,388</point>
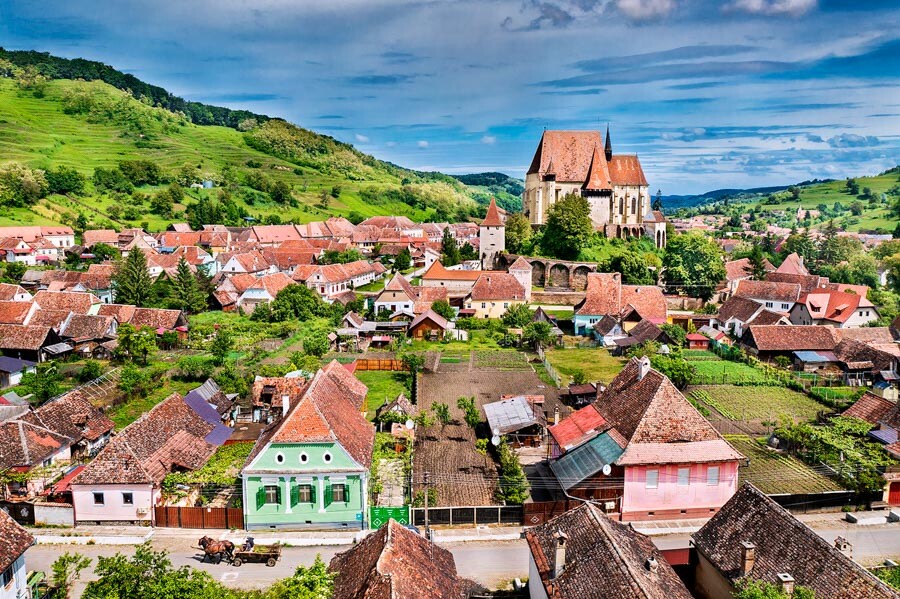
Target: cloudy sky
<point>732,93</point>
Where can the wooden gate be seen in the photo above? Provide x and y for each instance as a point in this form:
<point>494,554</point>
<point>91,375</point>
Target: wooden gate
<point>894,493</point>
<point>199,517</point>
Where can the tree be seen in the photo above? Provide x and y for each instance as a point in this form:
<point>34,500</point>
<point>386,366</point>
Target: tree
<point>133,381</point>
<point>110,180</point>
<point>442,413</point>
<point>757,266</point>
<point>43,383</point>
<point>162,204</point>
<point>135,342</point>
<point>64,180</point>
<point>141,172</point>
<point>313,582</point>
<point>91,370</point>
<point>633,267</point>
<point>14,271</point>
<point>852,187</point>
<point>538,334</point>
<point>184,291</point>
<point>748,588</point>
<point>66,570</point>
<point>679,371</point>
<point>131,281</point>
<point>513,484</point>
<point>857,208</point>
<point>579,377</point>
<point>518,232</point>
<point>517,315</point>
<point>20,185</point>
<point>675,333</point>
<point>568,227</point>
<point>449,249</point>
<point>221,345</point>
<point>102,251</point>
<point>801,244</point>
<point>413,364</point>
<point>444,309</point>
<point>471,414</point>
<point>281,193</point>
<point>693,264</point>
<point>403,260</point>
<point>316,344</point>
<point>298,302</point>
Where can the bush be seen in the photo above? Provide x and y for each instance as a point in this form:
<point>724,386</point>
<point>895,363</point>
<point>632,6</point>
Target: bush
<point>111,180</point>
<point>195,368</point>
<point>65,180</point>
<point>20,185</point>
<point>91,370</point>
<point>141,172</point>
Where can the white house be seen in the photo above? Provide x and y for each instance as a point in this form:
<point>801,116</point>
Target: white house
<point>14,541</point>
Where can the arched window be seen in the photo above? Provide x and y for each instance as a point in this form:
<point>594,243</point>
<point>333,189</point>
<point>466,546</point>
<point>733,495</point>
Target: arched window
<point>634,205</point>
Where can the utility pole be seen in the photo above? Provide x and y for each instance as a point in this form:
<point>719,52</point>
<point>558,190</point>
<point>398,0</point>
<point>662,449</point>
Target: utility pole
<point>427,532</point>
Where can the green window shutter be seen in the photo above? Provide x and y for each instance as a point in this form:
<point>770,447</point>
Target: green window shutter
<point>346,493</point>
<point>328,495</point>
<point>295,495</point>
<point>312,493</point>
<point>260,497</point>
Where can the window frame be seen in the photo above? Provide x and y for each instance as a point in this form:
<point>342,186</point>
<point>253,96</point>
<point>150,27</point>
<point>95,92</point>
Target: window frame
<point>305,489</point>
<point>343,489</point>
<point>8,576</point>
<point>687,481</point>
<point>710,480</point>
<point>654,478</point>
<point>127,498</point>
<point>277,490</point>
<point>99,495</point>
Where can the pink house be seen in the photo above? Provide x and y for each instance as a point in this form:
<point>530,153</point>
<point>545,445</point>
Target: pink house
<point>641,450</point>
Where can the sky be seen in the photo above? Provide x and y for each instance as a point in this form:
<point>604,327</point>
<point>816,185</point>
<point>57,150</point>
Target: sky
<point>709,94</point>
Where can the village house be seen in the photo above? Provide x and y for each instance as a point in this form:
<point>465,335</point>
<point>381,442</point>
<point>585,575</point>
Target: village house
<point>457,281</point>
<point>14,542</point>
<point>92,237</point>
<point>884,415</point>
<point>330,280</point>
<point>396,562</point>
<point>310,468</point>
<point>494,293</point>
<point>250,262</point>
<point>584,554</point>
<point>752,537</point>
<point>641,333</point>
<point>738,312</point>
<point>58,235</point>
<point>13,293</point>
<point>17,312</point>
<point>96,280</point>
<point>12,369</point>
<point>740,270</point>
<point>270,397</point>
<point>520,418</point>
<point>123,483</point>
<point>396,224</point>
<point>398,296</point>
<point>839,309</point>
<point>778,297</point>
<point>605,295</point>
<point>262,290</point>
<point>429,325</point>
<point>769,341</point>
<point>27,342</point>
<point>69,301</point>
<point>643,451</point>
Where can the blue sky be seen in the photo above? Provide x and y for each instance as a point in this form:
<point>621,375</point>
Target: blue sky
<point>732,93</point>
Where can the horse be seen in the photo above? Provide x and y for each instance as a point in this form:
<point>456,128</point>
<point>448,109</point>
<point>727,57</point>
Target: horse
<point>211,548</point>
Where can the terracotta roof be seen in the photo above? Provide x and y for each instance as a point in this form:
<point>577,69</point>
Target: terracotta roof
<point>603,558</point>
<point>80,303</point>
<point>285,259</point>
<point>14,312</point>
<point>835,306</point>
<point>275,233</point>
<point>49,318</point>
<point>767,317</point>
<point>570,153</point>
<point>648,411</point>
<point>580,426</point>
<point>851,351</point>
<point>81,327</point>
<point>791,338</point>
<point>174,239</point>
<point>647,300</point>
<point>401,403</point>
<point>598,176</point>
<point>438,272</point>
<point>603,294</point>
<point>276,388</point>
<point>8,291</point>
<point>737,269</point>
<point>871,408</point>
<point>626,169</point>
<point>92,237</point>
<point>768,290</point>
<point>399,283</point>
<point>24,337</point>
<point>157,318</point>
<point>389,222</point>
<point>497,286</point>
<point>808,283</point>
<point>26,443</point>
<point>395,562</point>
<point>431,315</point>
<point>272,283</point>
<point>493,216</point>
<point>14,540</point>
<point>354,388</point>
<point>72,416</point>
<point>793,264</point>
<point>738,308</point>
<point>121,312</point>
<point>783,544</point>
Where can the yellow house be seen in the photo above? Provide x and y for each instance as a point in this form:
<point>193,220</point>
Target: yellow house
<point>493,294</point>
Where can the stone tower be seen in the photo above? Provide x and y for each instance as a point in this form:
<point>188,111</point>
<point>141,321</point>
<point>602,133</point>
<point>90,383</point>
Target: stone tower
<point>491,237</point>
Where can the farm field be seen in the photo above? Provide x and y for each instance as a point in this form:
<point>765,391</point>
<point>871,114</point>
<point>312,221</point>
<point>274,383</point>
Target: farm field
<point>596,363</point>
<point>775,473</point>
<point>723,372</point>
<point>383,385</point>
<point>699,355</point>
<point>756,402</point>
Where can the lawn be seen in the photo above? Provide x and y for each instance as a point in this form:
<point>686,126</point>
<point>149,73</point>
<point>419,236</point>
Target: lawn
<point>596,363</point>
<point>723,372</point>
<point>126,413</point>
<point>383,386</point>
<point>757,402</point>
<point>700,355</point>
<point>776,473</point>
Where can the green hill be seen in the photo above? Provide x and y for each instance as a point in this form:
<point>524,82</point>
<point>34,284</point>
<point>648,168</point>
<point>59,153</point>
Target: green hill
<point>85,125</point>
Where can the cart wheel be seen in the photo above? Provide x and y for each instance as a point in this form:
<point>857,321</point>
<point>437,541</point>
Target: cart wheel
<point>270,562</point>
<point>237,562</point>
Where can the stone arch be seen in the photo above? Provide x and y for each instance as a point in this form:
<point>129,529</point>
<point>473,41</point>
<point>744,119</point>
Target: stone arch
<point>579,277</point>
<point>538,272</point>
<point>658,239</point>
<point>626,232</point>
<point>558,276</point>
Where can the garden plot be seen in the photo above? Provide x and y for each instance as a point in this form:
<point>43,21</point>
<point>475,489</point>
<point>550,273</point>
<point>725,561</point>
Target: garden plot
<point>757,403</point>
<point>501,360</point>
<point>596,363</point>
<point>776,473</point>
<point>722,372</point>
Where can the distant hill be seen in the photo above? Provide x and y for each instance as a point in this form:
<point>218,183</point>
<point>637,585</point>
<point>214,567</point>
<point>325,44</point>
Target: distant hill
<point>48,120</point>
<point>508,190</point>
<point>673,202</point>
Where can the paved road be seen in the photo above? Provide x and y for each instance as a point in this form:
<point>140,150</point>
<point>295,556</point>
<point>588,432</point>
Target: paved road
<point>488,563</point>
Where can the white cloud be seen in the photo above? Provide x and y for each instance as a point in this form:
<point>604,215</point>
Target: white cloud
<point>642,10</point>
<point>422,144</point>
<point>391,144</point>
<point>489,139</point>
<point>852,140</point>
<point>361,138</point>
<point>773,7</point>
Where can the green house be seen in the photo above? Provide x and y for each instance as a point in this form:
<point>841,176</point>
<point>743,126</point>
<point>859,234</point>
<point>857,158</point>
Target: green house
<point>311,468</point>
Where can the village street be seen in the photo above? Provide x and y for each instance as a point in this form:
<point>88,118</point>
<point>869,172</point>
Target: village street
<point>490,563</point>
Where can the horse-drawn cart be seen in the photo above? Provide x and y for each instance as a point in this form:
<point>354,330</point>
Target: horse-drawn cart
<point>268,554</point>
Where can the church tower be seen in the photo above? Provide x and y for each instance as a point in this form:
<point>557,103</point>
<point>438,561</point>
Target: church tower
<point>608,147</point>
<point>491,237</point>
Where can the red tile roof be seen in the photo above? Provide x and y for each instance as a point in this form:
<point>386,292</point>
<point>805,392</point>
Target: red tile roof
<point>24,337</point>
<point>626,170</point>
<point>834,306</point>
<point>437,272</point>
<point>579,427</point>
<point>603,294</point>
<point>648,300</point>
<point>768,290</point>
<point>497,286</point>
<point>793,264</point>
<point>566,153</point>
<point>493,216</point>
<point>26,443</point>
<point>788,338</point>
<point>871,408</point>
<point>72,416</point>
<point>14,540</point>
<point>9,291</point>
<point>14,312</point>
<point>77,302</point>
<point>157,318</point>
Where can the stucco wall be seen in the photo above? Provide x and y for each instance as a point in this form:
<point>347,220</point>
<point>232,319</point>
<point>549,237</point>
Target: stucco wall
<point>489,309</point>
<point>113,508</point>
<point>536,588</point>
<point>709,584</point>
<point>54,514</point>
<point>669,495</point>
<point>18,588</point>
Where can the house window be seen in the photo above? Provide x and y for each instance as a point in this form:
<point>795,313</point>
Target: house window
<point>127,498</point>
<point>712,476</point>
<point>326,457</point>
<point>339,493</point>
<point>769,304</point>
<point>8,576</point>
<point>279,457</point>
<point>483,305</point>
<point>652,479</point>
<point>304,458</point>
<point>784,306</point>
<point>684,477</point>
<point>506,304</point>
<point>98,499</point>
<point>273,494</point>
<point>305,494</point>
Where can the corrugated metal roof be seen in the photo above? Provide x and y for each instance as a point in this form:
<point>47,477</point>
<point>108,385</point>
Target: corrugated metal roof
<point>815,356</point>
<point>585,461</point>
<point>510,415</point>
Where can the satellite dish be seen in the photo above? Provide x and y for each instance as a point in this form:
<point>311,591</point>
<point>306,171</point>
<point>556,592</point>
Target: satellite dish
<point>410,424</point>
<point>607,469</point>
<point>496,431</point>
<point>495,440</point>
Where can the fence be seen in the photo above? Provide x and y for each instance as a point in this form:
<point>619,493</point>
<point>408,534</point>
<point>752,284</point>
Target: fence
<point>550,370</point>
<point>199,517</point>
<point>510,515</point>
<point>97,388</point>
<point>378,516</point>
<point>367,364</point>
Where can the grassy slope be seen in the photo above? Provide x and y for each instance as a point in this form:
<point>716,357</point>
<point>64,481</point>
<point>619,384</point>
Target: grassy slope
<point>37,132</point>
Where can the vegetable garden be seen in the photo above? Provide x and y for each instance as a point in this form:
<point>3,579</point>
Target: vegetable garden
<point>757,402</point>
<point>776,473</point>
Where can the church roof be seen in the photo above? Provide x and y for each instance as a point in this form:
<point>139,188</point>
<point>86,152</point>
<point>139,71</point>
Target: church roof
<point>493,216</point>
<point>598,173</point>
<point>626,170</point>
<point>572,156</point>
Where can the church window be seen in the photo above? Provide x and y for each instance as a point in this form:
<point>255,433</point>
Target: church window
<point>634,205</point>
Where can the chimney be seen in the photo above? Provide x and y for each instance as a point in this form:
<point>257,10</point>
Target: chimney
<point>652,564</point>
<point>559,560</point>
<point>643,368</point>
<point>748,557</point>
<point>844,546</point>
<point>787,583</point>
<point>556,415</point>
<point>285,404</point>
